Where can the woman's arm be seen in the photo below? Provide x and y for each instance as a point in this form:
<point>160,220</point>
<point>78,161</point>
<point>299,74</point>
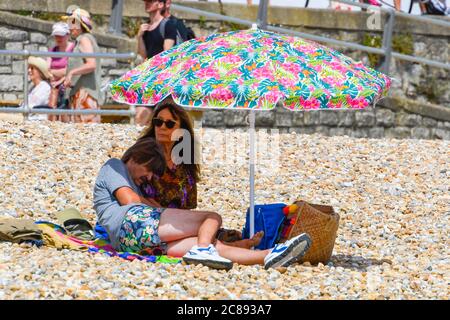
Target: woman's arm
<point>168,43</point>
<point>58,73</point>
<point>140,37</point>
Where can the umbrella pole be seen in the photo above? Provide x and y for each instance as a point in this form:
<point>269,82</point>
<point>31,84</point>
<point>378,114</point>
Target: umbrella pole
<point>252,173</point>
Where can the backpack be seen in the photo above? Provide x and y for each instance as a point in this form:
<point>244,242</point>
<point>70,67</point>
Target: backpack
<point>435,7</point>
<point>268,218</point>
<point>183,33</point>
<point>186,30</point>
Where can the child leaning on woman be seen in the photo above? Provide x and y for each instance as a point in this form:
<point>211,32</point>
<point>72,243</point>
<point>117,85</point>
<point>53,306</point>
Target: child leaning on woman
<point>133,225</point>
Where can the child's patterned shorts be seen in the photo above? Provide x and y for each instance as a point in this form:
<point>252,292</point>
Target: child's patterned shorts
<point>139,231</point>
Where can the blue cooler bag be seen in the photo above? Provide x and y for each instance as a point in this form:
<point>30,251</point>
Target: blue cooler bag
<point>268,218</point>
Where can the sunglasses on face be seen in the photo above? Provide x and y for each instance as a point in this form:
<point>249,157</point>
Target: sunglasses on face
<point>159,122</point>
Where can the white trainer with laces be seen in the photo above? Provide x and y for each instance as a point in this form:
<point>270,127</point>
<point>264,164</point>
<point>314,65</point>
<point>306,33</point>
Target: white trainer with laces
<point>207,256</point>
<point>285,254</point>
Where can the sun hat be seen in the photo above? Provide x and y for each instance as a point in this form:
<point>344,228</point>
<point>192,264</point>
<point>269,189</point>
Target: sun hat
<point>60,29</point>
<point>80,16</point>
<point>75,225</point>
<point>41,65</point>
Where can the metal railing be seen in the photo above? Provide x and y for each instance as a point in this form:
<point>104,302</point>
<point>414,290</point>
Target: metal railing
<point>385,51</point>
<point>26,109</point>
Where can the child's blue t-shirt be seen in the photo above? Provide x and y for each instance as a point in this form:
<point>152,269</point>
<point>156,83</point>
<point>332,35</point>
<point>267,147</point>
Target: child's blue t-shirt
<point>110,214</point>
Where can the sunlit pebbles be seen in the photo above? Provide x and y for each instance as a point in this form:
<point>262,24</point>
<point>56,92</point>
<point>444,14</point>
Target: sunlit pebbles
<point>392,195</point>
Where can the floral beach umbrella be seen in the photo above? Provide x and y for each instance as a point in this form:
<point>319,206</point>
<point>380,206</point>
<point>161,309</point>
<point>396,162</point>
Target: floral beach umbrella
<point>253,70</point>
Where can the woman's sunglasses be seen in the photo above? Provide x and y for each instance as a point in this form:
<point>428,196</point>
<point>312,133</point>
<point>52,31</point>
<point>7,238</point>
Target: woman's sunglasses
<point>159,122</point>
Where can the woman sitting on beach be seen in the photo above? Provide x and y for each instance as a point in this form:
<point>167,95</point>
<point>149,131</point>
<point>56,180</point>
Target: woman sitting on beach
<point>133,224</point>
<point>177,187</point>
<point>39,94</point>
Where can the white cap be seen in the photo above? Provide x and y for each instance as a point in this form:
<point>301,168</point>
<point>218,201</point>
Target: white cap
<point>60,29</point>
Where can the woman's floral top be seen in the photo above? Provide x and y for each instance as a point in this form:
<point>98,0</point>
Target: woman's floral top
<point>176,188</point>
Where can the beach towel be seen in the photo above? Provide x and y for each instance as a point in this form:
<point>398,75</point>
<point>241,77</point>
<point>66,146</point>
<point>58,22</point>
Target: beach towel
<point>55,236</point>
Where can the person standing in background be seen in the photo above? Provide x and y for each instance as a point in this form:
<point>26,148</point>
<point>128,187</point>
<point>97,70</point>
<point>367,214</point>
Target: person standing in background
<point>83,74</point>
<point>58,66</point>
<point>151,41</point>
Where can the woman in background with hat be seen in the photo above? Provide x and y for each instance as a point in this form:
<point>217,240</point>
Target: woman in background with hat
<point>83,74</point>
<point>58,66</point>
<point>39,93</point>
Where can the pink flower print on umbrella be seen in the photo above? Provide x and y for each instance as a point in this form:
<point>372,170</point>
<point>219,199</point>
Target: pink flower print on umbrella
<point>318,68</point>
<point>231,58</point>
<point>273,96</point>
<point>263,73</point>
<point>292,67</point>
<point>158,60</point>
<point>223,43</point>
<point>267,41</point>
<point>310,104</point>
<point>288,83</point>
<point>337,66</point>
<point>156,96</point>
<point>131,96</point>
<point>208,73</point>
<point>306,48</point>
<point>222,94</point>
<point>358,103</point>
<point>333,81</point>
<point>335,105</point>
<point>164,76</point>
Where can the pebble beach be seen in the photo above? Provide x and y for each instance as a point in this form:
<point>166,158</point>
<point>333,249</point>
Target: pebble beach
<point>393,198</point>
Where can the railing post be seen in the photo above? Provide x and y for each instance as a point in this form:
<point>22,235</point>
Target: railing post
<point>26,106</point>
<point>387,42</point>
<point>115,23</point>
<point>262,14</point>
<point>132,108</point>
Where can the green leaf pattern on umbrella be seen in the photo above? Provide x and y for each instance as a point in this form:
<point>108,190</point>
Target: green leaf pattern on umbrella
<point>252,69</point>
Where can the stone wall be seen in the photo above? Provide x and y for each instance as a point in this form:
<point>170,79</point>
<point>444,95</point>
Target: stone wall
<point>389,119</point>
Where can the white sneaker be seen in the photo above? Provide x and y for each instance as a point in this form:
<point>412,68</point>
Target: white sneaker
<point>207,256</point>
<point>285,254</point>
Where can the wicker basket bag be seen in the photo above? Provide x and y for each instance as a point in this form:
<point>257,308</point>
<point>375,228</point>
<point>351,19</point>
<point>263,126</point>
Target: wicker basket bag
<point>321,223</point>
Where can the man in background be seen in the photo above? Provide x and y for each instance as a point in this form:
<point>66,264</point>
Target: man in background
<point>151,41</point>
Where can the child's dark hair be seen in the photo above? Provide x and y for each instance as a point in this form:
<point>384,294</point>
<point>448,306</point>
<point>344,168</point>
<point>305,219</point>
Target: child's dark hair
<point>147,152</point>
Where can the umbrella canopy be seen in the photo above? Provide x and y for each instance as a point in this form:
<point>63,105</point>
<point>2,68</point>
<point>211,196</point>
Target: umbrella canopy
<point>252,69</point>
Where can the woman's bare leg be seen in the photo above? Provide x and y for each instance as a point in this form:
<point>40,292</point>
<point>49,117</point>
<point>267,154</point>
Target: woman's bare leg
<point>177,224</point>
<point>239,255</point>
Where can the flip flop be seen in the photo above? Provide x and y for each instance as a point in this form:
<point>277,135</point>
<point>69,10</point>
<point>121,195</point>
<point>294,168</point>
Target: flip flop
<point>75,224</point>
